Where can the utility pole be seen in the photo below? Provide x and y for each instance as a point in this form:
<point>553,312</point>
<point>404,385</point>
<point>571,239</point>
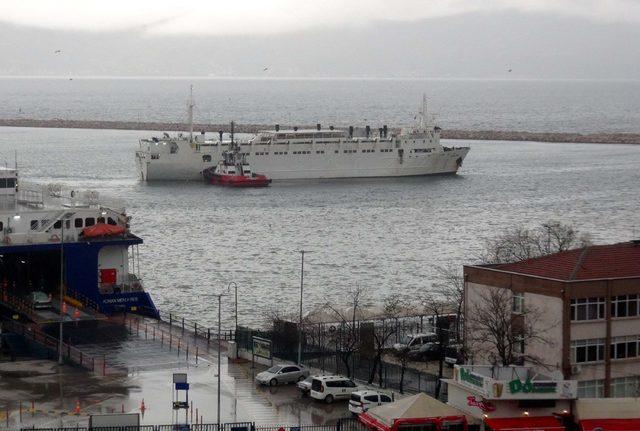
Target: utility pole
<point>220,295</point>
<point>302,252</point>
<point>61,291</point>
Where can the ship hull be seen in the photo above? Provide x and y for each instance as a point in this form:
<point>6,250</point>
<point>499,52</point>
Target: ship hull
<point>189,166</point>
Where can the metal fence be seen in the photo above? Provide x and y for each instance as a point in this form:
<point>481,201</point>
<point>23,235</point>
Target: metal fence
<point>347,424</point>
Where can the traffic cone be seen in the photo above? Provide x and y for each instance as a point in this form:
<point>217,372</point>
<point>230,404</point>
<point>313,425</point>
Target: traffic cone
<point>76,411</point>
<point>142,406</point>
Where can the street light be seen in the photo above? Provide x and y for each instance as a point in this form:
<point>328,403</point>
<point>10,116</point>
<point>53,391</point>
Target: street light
<point>220,295</point>
<point>61,291</point>
<point>302,253</point>
<point>236,305</point>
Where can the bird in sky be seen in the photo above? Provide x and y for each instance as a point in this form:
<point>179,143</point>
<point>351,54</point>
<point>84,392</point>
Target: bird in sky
<point>265,69</point>
<point>57,51</point>
<point>510,70</point>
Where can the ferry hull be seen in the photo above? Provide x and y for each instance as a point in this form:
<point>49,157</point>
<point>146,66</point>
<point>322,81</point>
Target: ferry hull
<point>189,166</point>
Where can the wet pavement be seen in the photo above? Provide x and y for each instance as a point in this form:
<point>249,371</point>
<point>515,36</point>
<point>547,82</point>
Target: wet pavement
<point>56,390</point>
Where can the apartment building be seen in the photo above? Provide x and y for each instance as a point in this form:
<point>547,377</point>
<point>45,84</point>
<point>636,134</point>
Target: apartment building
<point>589,304</point>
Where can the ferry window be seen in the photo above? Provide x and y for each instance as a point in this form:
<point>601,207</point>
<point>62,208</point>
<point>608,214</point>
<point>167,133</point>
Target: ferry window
<point>77,222</point>
<point>336,151</point>
<point>206,158</point>
<point>58,224</point>
<point>1,226</point>
<point>111,221</point>
<point>89,221</point>
<point>101,220</point>
<point>34,224</point>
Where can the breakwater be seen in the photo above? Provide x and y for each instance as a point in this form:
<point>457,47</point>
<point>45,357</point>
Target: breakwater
<point>493,135</point>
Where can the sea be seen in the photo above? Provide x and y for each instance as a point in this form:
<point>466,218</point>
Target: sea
<point>386,235</point>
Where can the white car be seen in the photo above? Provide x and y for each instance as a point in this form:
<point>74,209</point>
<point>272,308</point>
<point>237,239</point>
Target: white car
<point>330,388</point>
<point>415,342</point>
<point>361,401</point>
<point>282,373</point>
<point>305,385</point>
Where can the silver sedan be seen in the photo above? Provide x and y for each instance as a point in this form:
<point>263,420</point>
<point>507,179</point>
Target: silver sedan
<point>283,373</point>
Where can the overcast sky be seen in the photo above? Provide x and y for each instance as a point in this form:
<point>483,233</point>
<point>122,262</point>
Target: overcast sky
<point>125,37</point>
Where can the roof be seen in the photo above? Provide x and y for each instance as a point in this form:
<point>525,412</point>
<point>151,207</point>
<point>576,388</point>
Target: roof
<point>620,260</point>
<point>523,423</point>
<point>414,407</point>
<point>610,425</point>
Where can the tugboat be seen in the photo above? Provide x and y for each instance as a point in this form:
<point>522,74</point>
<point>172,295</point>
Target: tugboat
<point>234,171</point>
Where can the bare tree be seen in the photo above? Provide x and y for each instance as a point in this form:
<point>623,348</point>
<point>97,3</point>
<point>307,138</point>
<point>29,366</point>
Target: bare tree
<point>382,333</point>
<point>449,285</point>
<point>347,337</point>
<point>521,243</point>
<point>438,307</point>
<point>494,327</point>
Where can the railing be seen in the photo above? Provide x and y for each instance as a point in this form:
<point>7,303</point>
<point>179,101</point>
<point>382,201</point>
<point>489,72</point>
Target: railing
<point>69,352</point>
<point>345,424</point>
<point>199,330</point>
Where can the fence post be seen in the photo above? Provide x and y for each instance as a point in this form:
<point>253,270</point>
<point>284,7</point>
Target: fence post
<point>170,322</point>
<point>183,325</point>
<point>195,329</point>
<point>104,365</point>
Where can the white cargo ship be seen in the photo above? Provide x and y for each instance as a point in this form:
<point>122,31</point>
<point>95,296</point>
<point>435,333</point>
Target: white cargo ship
<point>307,153</point>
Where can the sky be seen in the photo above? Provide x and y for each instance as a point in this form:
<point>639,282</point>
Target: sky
<point>590,38</point>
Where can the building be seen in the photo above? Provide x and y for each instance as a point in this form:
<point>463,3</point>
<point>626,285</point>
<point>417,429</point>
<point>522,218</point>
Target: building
<point>588,301</point>
<point>511,397</point>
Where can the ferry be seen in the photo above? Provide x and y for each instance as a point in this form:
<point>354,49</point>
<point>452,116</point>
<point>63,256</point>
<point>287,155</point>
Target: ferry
<point>306,153</point>
<point>49,234</point>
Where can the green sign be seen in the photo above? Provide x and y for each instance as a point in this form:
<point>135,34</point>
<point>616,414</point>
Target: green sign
<point>528,387</point>
<point>472,378</point>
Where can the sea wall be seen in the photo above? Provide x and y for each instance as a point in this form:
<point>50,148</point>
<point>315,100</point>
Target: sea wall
<point>492,135</point>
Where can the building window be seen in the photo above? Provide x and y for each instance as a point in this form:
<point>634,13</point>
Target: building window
<point>624,306</point>
<point>587,350</point>
<point>591,389</point>
<point>625,387</point>
<point>517,305</point>
<point>587,309</point>
<point>624,347</point>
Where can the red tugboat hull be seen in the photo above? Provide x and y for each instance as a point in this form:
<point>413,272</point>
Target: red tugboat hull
<point>238,180</point>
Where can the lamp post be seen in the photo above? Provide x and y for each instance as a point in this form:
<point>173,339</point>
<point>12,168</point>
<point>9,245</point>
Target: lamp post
<point>220,295</point>
<point>61,291</point>
<point>302,253</point>
<point>235,333</point>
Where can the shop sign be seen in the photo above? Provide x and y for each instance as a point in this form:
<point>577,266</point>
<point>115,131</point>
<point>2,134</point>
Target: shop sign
<point>484,405</point>
<point>471,378</point>
<point>528,387</point>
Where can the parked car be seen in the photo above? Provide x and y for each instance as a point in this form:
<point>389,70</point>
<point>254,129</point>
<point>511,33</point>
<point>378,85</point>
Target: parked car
<point>361,401</point>
<point>305,385</point>
<point>282,373</point>
<point>415,341</point>
<point>330,388</point>
<point>40,300</point>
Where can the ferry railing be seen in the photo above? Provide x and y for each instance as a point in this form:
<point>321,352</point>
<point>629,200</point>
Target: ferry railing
<point>199,330</point>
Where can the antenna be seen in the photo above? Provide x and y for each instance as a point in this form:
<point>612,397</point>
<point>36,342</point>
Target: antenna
<point>190,112</point>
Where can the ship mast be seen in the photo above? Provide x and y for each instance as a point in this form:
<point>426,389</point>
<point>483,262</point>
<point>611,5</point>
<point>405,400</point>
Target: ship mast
<point>423,114</point>
<point>190,106</point>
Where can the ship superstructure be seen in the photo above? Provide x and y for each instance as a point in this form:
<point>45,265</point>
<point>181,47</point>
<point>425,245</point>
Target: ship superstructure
<point>308,153</point>
<point>47,229</point>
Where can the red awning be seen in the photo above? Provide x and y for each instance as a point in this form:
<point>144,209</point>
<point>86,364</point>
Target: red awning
<point>610,425</point>
<point>102,229</point>
<point>535,423</point>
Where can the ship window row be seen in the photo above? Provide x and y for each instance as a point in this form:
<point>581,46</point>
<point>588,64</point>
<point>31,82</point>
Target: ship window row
<point>386,150</point>
<point>261,154</point>
<point>78,222</point>
<point>350,151</point>
<point>421,150</point>
<point>368,151</point>
<point>7,183</point>
<point>320,152</point>
<point>302,152</point>
<point>281,153</point>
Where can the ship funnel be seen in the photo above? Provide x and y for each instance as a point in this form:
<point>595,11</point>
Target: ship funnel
<point>277,127</point>
<point>367,130</point>
<point>384,130</point>
<point>351,131</point>
<point>318,126</point>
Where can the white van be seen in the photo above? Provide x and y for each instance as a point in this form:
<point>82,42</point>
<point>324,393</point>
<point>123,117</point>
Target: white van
<point>361,401</point>
<point>329,388</point>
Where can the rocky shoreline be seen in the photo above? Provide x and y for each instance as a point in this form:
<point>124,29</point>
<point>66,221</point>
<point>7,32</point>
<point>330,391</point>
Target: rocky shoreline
<point>492,135</point>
